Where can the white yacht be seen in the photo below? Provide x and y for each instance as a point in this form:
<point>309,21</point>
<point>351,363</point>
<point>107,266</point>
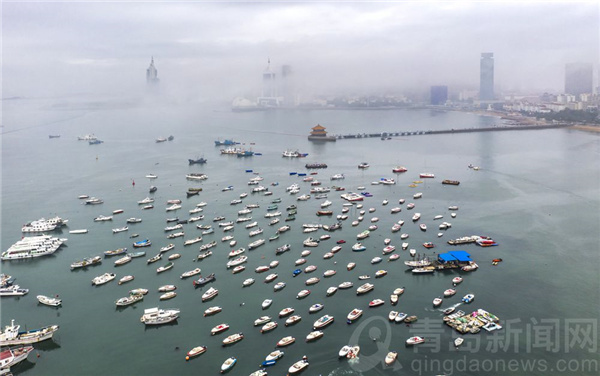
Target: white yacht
<point>157,316</point>
<point>34,246</point>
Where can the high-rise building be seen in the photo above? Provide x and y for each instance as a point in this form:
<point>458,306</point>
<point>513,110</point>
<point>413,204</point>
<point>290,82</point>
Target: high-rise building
<point>439,95</point>
<point>269,88</point>
<point>486,77</point>
<point>287,86</point>
<point>579,78</point>
<point>151,73</point>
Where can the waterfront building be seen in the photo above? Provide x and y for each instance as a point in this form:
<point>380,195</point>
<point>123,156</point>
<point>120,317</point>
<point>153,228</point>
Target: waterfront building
<point>269,96</point>
<point>319,133</point>
<point>486,77</point>
<point>439,95</point>
<point>578,78</point>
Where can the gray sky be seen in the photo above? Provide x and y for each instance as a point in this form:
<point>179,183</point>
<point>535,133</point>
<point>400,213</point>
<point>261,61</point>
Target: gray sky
<point>220,49</point>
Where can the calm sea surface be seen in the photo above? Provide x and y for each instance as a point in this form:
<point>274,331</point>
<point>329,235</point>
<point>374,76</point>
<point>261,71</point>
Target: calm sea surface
<point>537,194</point>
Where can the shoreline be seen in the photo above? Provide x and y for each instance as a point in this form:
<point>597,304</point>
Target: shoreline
<point>587,128</point>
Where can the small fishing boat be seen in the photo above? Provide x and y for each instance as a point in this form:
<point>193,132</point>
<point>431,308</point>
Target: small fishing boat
<point>126,279</point>
<point>49,301</point>
<point>190,273</point>
<point>164,268</point>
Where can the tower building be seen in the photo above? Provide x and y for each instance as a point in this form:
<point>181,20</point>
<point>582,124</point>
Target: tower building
<point>151,73</point>
<point>486,77</point>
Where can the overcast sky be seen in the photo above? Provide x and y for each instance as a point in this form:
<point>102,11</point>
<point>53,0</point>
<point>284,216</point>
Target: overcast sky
<point>220,49</point>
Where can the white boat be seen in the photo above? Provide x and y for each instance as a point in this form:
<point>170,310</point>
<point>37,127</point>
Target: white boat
<point>190,273</point>
<point>247,282</point>
<point>468,298</point>
<point>262,320</point>
<point>209,294</point>
<point>123,260</point>
<point>237,261</point>
<point>449,292</point>
<point>298,367</point>
<point>313,336</point>
<point>256,243</point>
<point>354,314</point>
<point>31,247</point>
<point>365,288</point>
<point>303,294</point>
<point>458,341</point>
<point>46,300</point>
<point>376,303</point>
<point>266,303</point>
<point>437,302</point>
<point>285,341</point>
<point>79,231</point>
<point>331,290</point>
<point>323,322</point>
<point>345,285</point>
<point>230,340</point>
<point>274,355</point>
<point>228,364</point>
<point>104,278</point>
<point>125,279</point>
<point>390,358</point>
<point>165,267</point>
<point>13,336</point>
<point>103,218</point>
<point>198,350</point>
<point>292,320</point>
<point>120,229</point>
<point>128,300</point>
<point>218,329</point>
<point>415,340</point>
<point>268,327</point>
<point>344,351</point>
<point>286,312</point>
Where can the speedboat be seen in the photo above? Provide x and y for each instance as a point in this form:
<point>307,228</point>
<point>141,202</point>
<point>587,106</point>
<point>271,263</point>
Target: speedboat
<point>394,257</point>
<point>365,288</point>
<point>209,294</point>
<point>310,269</point>
<point>323,322</point>
<point>212,311</point>
<point>313,336</point>
<point>230,340</point>
<point>123,260</point>
<point>468,298</point>
<point>332,290</point>
<point>458,341</point>
<point>274,355</point>
<point>315,308</point>
<point>457,280</point>
<point>247,282</point>
<point>437,302</point>
<point>168,295</point>
<point>190,273</point>
<point>298,367</point>
<point>345,285</point>
<point>312,281</point>
<point>491,326</point>
<point>270,277</point>
<point>303,294</point>
<point>228,364</point>
<point>354,314</point>
<point>104,278</point>
<point>125,279</point>
<point>380,273</point>
<point>286,312</point>
<point>292,320</point>
<point>271,325</point>
<point>344,351</point>
<point>198,350</point>
<point>376,260</point>
<point>285,341</point>
<point>279,286</point>
<point>376,303</point>
<point>394,299</point>
<point>219,328</point>
<point>415,340</point>
<point>449,292</point>
<point>353,353</point>
<point>262,320</point>
<point>401,317</point>
<point>449,310</point>
<point>358,247</point>
<point>266,303</point>
<point>390,358</point>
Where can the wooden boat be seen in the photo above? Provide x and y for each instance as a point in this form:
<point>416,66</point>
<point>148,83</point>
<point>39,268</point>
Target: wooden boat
<point>164,268</point>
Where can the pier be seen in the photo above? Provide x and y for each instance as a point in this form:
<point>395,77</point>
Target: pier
<point>384,135</point>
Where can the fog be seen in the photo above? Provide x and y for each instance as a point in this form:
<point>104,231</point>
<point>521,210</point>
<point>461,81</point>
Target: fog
<point>217,51</point>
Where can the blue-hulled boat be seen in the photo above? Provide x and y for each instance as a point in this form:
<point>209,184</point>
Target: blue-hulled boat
<point>197,161</point>
<point>142,243</point>
<point>226,143</point>
<point>296,272</point>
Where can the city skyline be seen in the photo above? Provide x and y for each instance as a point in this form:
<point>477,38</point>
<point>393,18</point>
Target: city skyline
<point>218,51</point>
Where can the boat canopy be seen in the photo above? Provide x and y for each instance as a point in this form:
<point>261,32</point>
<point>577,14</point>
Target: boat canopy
<point>454,256</point>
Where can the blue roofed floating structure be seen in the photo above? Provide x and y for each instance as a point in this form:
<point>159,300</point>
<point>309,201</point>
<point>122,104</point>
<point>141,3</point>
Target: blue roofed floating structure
<point>454,257</point>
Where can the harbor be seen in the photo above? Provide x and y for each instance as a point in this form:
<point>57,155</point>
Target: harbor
<point>500,200</point>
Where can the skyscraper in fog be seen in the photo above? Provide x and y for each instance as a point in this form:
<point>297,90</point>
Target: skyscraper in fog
<point>269,84</point>
<point>287,87</point>
<point>578,78</point>
<point>151,73</point>
<point>486,77</point>
<point>439,95</point>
